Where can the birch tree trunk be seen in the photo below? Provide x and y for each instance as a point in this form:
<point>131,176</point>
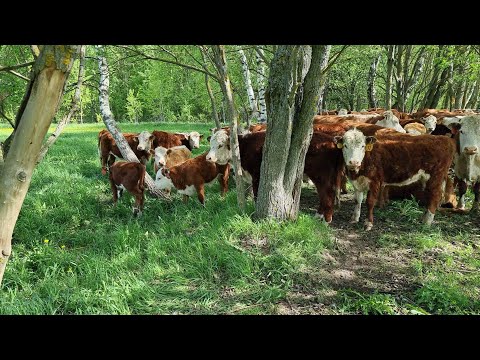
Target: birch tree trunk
<point>388,83</point>
<point>372,75</point>
<point>221,65</point>
<point>73,108</point>
<point>261,85</point>
<point>49,74</point>
<point>112,126</point>
<point>248,85</point>
<point>289,129</point>
<point>324,77</point>
<point>472,101</point>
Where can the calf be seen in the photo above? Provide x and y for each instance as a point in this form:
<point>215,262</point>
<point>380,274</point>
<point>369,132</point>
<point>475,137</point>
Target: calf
<point>395,160</point>
<point>167,140</point>
<point>430,123</point>
<point>170,157</point>
<point>108,150</point>
<point>191,176</point>
<point>130,176</point>
<point>323,163</point>
<point>467,160</point>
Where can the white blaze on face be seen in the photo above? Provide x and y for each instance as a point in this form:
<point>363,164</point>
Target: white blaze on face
<point>430,123</point>
<point>353,145</point>
<point>162,182</point>
<point>469,133</point>
<point>342,112</point>
<point>220,148</point>
<point>144,141</point>
<point>160,156</point>
<point>194,139</point>
<point>391,121</point>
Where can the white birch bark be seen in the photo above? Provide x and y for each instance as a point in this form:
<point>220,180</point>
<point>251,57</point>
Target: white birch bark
<point>262,106</point>
<point>248,84</point>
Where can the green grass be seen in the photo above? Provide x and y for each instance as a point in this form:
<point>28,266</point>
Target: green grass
<point>74,253</point>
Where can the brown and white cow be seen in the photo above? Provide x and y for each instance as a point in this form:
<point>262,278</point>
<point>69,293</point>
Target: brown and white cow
<point>415,129</point>
<point>430,123</point>
<point>167,139</point>
<point>130,176</point>
<point>170,157</point>
<point>467,160</point>
<point>393,159</point>
<point>108,150</point>
<point>191,176</point>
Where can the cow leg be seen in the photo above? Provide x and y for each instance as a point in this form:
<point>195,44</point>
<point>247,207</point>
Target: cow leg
<point>223,180</point>
<point>462,189</point>
<point>433,195</point>
<point>255,185</point>
<point>114,191</point>
<point>358,206</point>
<point>344,185</point>
<point>476,192</point>
<point>383,197</point>
<point>201,193</point>
<point>326,201</point>
<point>372,197</point>
<point>185,198</point>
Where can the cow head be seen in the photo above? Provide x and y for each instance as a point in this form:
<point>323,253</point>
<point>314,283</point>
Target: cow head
<point>220,152</point>
<point>144,141</point>
<point>430,123</point>
<point>194,139</point>
<point>163,180</point>
<point>468,130</point>
<point>342,112</point>
<point>354,145</point>
<point>160,157</point>
<point>391,121</point>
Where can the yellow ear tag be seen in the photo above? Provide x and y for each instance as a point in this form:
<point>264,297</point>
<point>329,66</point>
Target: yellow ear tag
<point>368,147</point>
<point>339,145</point>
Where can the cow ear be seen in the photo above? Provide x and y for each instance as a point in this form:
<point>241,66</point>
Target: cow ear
<point>166,172</point>
<point>454,127</point>
<point>370,140</point>
<point>151,137</point>
<point>201,136</point>
<point>169,151</point>
<point>339,141</point>
<point>208,138</point>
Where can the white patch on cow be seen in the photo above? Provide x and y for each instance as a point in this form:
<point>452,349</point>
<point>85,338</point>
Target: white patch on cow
<point>467,163</point>
<point>194,139</point>
<point>342,112</point>
<point>421,175</point>
<point>162,182</point>
<point>321,217</point>
<point>461,202</point>
<point>219,148</point>
<point>160,156</point>
<point>144,141</point>
<point>428,218</point>
<point>413,132</point>
<point>430,123</point>
<point>353,149</point>
<point>368,225</point>
<point>391,121</point>
<point>120,188</point>
<point>189,190</point>
<point>361,185</point>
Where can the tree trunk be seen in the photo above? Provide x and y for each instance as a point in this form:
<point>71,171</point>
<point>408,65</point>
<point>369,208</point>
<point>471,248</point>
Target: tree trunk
<point>289,128</point>
<point>210,94</point>
<point>472,101</point>
<point>388,83</point>
<point>261,85</point>
<point>73,108</point>
<point>372,75</point>
<point>248,85</point>
<point>112,126</point>
<point>49,74</point>
<point>415,75</point>
<point>221,65</point>
<point>399,77</point>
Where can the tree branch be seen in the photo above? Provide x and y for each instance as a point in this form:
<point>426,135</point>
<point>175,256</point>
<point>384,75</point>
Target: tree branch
<point>18,66</point>
<point>334,59</point>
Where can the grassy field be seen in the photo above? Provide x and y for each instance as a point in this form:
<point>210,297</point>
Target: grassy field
<point>74,253</point>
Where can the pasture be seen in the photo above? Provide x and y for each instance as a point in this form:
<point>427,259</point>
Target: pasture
<point>74,253</point>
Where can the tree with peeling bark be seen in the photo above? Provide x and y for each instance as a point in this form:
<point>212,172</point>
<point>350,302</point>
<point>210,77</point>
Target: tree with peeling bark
<point>292,97</point>
<point>372,75</point>
<point>49,74</point>
<point>232,115</point>
<point>262,106</point>
<point>112,126</point>
<point>74,106</point>
<point>248,85</point>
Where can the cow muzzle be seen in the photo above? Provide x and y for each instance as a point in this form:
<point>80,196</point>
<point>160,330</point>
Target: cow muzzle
<point>470,150</point>
<point>354,166</point>
<point>141,148</point>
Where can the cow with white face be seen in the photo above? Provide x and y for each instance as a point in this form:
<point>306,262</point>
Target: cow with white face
<point>220,152</point>
<point>193,139</point>
<point>466,132</point>
<point>430,123</point>
<point>385,159</point>
<point>342,112</point>
<point>391,121</point>
<point>144,141</point>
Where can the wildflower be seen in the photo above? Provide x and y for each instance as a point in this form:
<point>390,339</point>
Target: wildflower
<point>46,241</point>
<point>62,247</point>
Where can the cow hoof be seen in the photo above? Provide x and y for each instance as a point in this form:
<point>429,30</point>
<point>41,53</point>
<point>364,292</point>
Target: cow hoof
<point>428,218</point>
<point>353,221</point>
<point>368,226</point>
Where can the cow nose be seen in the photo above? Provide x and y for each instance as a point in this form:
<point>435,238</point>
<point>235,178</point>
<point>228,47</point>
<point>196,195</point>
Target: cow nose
<point>141,148</point>
<point>354,163</point>
<point>470,150</point>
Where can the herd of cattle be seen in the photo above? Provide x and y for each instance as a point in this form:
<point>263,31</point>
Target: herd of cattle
<point>387,154</point>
